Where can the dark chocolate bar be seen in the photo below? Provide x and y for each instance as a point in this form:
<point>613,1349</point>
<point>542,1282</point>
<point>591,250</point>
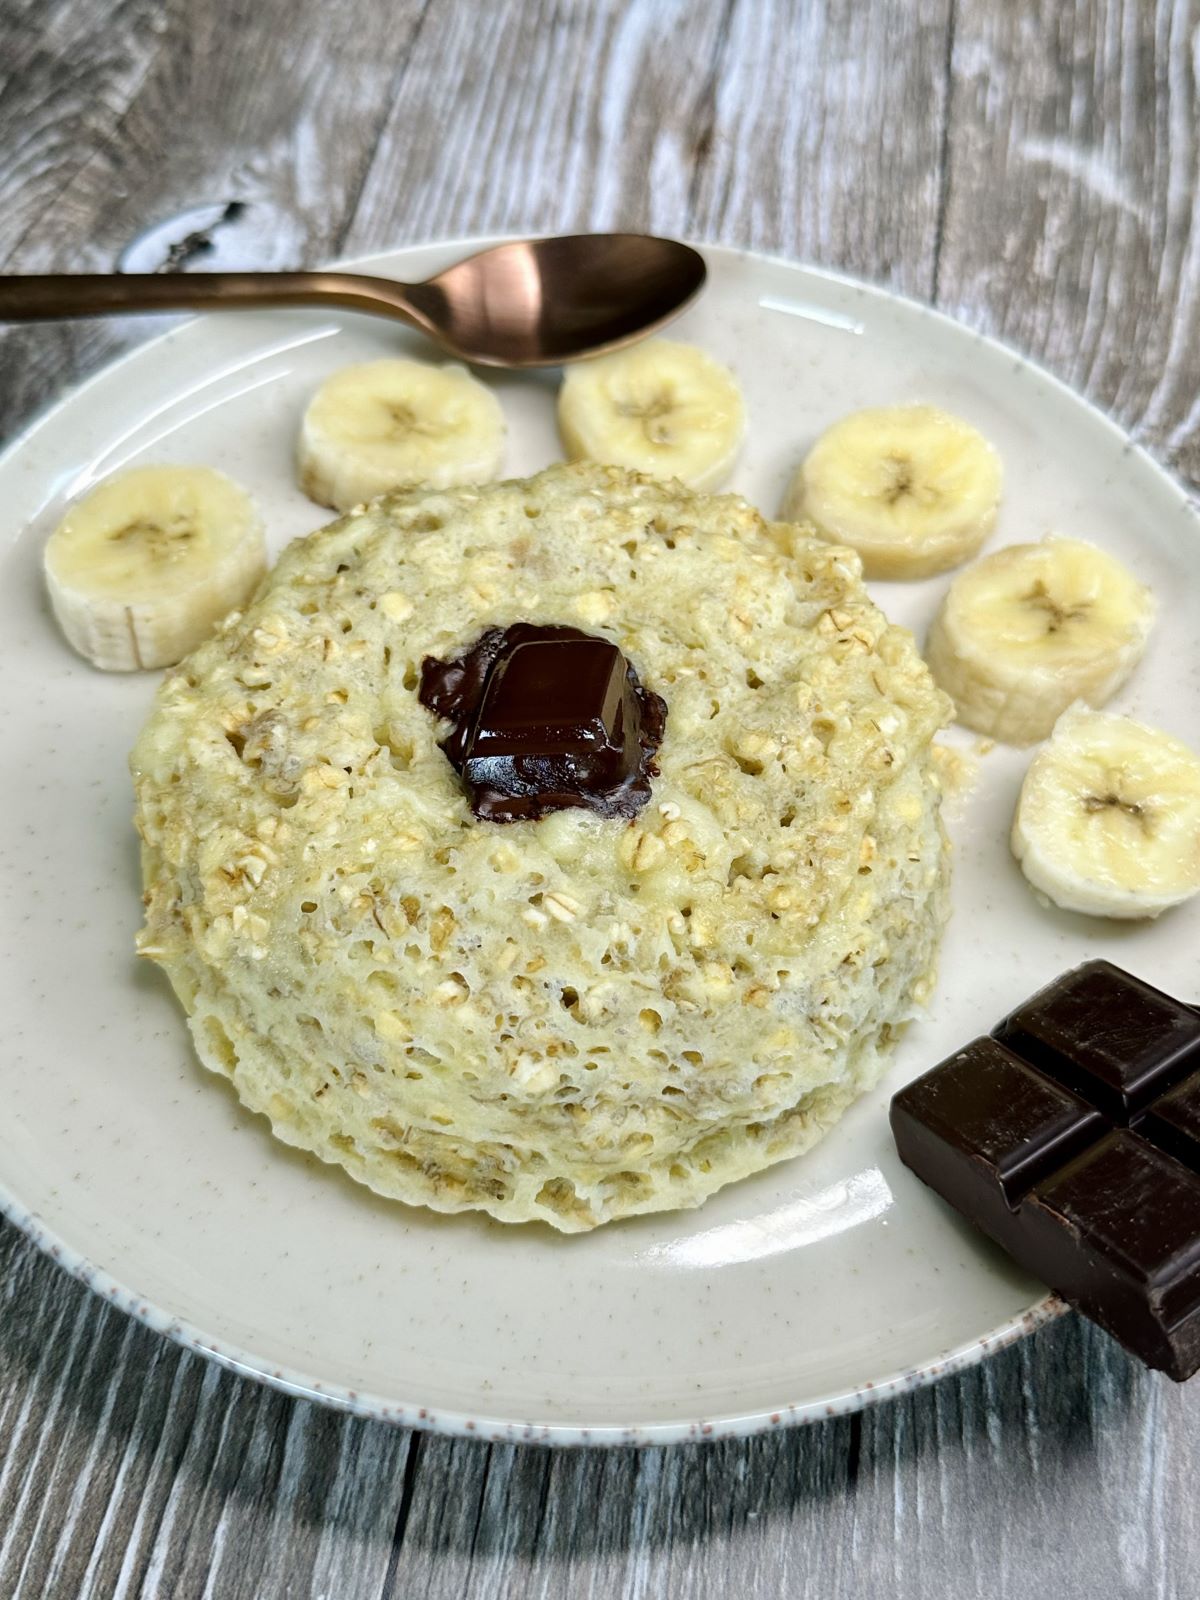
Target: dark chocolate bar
<point>1071,1135</point>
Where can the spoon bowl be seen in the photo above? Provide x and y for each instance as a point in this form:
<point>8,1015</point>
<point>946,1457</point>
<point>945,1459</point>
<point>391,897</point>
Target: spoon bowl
<point>542,302</point>
<point>524,303</point>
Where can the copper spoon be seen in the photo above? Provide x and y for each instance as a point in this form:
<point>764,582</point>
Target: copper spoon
<point>528,303</point>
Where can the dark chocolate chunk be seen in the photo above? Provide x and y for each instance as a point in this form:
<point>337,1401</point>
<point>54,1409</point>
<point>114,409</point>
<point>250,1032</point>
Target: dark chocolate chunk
<point>544,718</point>
<point>552,697</point>
<point>1071,1136</point>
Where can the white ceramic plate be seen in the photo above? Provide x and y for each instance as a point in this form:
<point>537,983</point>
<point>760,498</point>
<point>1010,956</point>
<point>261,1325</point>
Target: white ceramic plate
<point>810,1290</point>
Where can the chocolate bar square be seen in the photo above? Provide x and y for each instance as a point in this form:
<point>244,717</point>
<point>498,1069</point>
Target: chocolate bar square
<point>1173,1123</point>
<point>1107,1034</point>
<point>1139,1211</point>
<point>990,1109</point>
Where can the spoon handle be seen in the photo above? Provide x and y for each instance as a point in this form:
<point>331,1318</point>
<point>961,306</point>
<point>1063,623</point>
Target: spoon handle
<point>89,294</point>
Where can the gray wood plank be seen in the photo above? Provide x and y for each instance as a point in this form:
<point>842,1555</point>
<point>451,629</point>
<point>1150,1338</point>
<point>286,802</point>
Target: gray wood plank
<point>1053,207</point>
<point>598,127</point>
<point>131,1467</point>
<point>827,129</point>
<point>1069,225</point>
<point>1038,1472</point>
<point>123,117</point>
<point>68,75</point>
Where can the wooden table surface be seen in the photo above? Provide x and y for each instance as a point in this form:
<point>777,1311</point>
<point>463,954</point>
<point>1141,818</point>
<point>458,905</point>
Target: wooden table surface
<point>1029,167</point>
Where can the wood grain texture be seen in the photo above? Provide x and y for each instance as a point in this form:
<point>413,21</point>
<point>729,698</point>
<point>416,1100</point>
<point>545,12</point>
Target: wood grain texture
<point>1076,128</point>
<point>1033,168</point>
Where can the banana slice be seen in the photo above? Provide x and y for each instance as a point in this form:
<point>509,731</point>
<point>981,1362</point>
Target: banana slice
<point>1028,630</point>
<point>659,407</point>
<point>142,569</point>
<point>395,424</point>
<point>1108,821</point>
<point>912,489</point>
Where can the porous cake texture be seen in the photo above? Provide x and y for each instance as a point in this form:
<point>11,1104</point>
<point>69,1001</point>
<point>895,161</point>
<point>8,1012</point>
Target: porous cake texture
<point>578,1018</point>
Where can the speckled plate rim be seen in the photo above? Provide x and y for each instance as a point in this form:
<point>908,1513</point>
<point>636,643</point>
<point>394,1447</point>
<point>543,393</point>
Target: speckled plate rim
<point>501,1430</point>
<point>495,1429</point>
